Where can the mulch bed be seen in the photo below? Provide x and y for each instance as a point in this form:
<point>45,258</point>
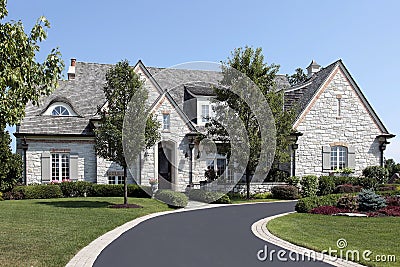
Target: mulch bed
<point>125,206</point>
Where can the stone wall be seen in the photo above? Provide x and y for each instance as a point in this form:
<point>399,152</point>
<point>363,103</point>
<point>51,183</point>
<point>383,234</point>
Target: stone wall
<point>241,188</point>
<point>323,126</point>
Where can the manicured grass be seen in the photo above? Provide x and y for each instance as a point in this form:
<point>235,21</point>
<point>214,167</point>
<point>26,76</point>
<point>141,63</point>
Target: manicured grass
<point>50,232</point>
<point>320,232</point>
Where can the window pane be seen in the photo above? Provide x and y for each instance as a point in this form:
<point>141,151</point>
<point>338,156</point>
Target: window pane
<point>338,157</point>
<point>205,113</point>
<point>221,165</point>
<point>55,166</point>
<point>111,179</point>
<point>166,122</point>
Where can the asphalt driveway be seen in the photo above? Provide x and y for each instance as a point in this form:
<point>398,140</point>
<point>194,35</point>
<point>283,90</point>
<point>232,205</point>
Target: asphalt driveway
<point>201,238</point>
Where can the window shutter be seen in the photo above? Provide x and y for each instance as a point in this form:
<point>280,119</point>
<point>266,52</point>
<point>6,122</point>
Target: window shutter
<point>351,160</point>
<point>73,173</point>
<point>46,167</point>
<point>326,158</point>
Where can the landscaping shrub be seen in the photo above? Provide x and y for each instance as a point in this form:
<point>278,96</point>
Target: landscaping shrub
<point>209,197</point>
<point>387,187</point>
<point>393,200</point>
<point>327,210</point>
<point>369,201</point>
<point>293,180</point>
<point>285,192</point>
<point>347,188</point>
<point>309,185</point>
<point>326,185</point>
<point>76,189</point>
<point>38,191</point>
<point>376,172</point>
<point>266,195</point>
<point>1,196</point>
<point>13,195</point>
<point>139,191</point>
<point>304,205</point>
<point>390,211</point>
<point>172,198</point>
<point>348,202</point>
<point>340,180</point>
<point>107,190</point>
<point>365,182</point>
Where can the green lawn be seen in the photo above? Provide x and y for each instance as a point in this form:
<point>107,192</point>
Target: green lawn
<point>320,232</point>
<point>51,232</point>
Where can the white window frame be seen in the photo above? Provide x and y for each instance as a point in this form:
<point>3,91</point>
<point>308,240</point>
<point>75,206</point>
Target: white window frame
<point>166,121</point>
<point>55,105</point>
<point>115,179</point>
<point>227,173</point>
<point>205,113</point>
<point>60,169</point>
<point>204,101</point>
<point>339,157</point>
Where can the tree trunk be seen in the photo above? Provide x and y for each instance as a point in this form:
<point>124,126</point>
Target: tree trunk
<point>247,183</point>
<point>125,187</point>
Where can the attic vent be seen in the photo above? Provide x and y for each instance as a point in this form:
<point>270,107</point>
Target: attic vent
<point>71,70</point>
<point>313,68</point>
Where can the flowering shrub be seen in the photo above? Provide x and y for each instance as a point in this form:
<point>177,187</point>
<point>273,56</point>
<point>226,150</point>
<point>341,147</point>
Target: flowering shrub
<point>348,202</point>
<point>348,188</point>
<point>327,210</point>
<point>393,200</point>
<point>390,211</point>
<point>153,181</point>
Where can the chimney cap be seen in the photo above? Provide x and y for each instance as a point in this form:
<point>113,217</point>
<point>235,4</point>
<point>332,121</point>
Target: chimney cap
<point>313,68</point>
<point>73,61</point>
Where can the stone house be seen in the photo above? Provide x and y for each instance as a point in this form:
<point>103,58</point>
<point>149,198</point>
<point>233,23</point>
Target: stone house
<point>335,127</point>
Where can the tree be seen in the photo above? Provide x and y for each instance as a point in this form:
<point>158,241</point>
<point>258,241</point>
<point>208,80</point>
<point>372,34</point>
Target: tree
<point>298,77</point>
<point>11,164</point>
<point>23,79</point>
<point>250,62</point>
<point>122,83</point>
<point>392,167</point>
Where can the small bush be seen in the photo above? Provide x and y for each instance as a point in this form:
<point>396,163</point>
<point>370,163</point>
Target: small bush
<point>387,187</point>
<point>393,200</point>
<point>347,188</point>
<point>326,185</point>
<point>38,191</point>
<point>172,198</point>
<point>209,197</point>
<point>76,189</point>
<point>365,182</point>
<point>13,195</point>
<point>293,180</point>
<point>1,196</point>
<point>390,211</point>
<point>348,202</point>
<point>340,180</point>
<point>139,191</point>
<point>285,192</point>
<point>266,195</point>
<point>309,185</point>
<point>369,201</point>
<point>108,190</point>
<point>304,205</point>
<point>327,210</point>
<point>376,172</point>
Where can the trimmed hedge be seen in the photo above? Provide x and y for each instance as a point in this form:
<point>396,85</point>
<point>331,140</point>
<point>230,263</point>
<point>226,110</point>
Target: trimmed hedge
<point>76,189</point>
<point>172,198</point>
<point>285,192</point>
<point>326,185</point>
<point>306,204</point>
<point>347,188</point>
<point>209,197</point>
<point>1,196</point>
<point>309,185</point>
<point>38,191</point>
<point>378,173</point>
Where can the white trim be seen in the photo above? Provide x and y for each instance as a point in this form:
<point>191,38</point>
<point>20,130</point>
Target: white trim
<point>49,111</point>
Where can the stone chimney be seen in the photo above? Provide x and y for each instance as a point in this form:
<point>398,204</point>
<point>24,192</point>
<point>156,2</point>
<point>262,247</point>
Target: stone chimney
<point>71,70</point>
<point>313,68</point>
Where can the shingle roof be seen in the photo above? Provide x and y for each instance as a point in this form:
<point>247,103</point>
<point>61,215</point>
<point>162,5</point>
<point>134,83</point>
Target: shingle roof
<point>300,95</point>
<point>85,94</point>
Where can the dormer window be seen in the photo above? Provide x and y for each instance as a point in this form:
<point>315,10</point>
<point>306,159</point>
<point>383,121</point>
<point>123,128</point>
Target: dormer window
<point>60,109</point>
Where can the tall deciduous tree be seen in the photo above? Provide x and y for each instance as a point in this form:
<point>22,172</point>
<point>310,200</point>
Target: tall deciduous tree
<point>122,84</point>
<point>250,62</point>
<point>22,79</point>
<point>298,77</point>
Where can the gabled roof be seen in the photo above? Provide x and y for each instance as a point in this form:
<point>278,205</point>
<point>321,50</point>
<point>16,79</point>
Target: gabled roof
<point>301,96</point>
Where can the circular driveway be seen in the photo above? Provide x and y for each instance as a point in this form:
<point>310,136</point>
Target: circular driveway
<point>200,238</point>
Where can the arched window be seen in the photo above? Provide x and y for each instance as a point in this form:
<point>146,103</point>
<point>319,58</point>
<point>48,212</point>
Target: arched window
<point>339,157</point>
<point>60,111</point>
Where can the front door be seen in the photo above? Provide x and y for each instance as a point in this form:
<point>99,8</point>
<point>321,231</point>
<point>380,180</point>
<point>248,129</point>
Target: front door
<point>164,167</point>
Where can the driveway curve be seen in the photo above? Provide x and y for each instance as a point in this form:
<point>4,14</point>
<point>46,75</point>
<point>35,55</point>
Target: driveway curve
<point>200,238</point>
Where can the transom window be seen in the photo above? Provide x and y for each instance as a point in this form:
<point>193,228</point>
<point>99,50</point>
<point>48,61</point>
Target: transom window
<point>60,166</point>
<point>338,157</point>
<point>60,111</point>
<point>115,179</point>
<point>205,113</point>
<point>166,121</point>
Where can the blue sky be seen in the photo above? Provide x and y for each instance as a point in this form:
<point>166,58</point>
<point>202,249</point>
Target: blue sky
<point>364,34</point>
